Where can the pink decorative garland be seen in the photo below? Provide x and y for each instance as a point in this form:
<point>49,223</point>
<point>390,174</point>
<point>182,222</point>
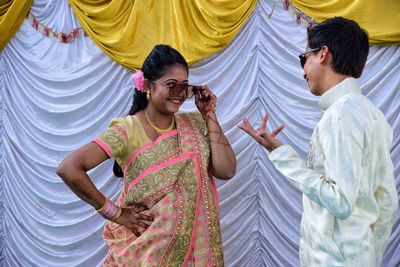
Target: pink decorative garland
<point>300,16</point>
<point>62,37</point>
<point>79,32</point>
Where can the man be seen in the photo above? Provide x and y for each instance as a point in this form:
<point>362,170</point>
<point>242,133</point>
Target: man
<point>349,192</point>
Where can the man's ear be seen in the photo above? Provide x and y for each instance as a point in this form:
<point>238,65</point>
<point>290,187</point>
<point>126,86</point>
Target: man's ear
<point>325,55</point>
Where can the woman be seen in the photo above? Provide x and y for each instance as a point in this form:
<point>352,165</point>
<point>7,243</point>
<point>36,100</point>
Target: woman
<point>167,214</point>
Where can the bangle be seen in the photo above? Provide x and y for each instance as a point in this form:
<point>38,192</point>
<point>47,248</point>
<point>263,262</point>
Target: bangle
<point>103,207</point>
<point>118,214</point>
<point>110,211</point>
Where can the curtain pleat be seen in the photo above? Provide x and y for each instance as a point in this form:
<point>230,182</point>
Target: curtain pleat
<point>56,97</point>
<point>12,14</point>
<point>128,30</point>
<point>380,18</point>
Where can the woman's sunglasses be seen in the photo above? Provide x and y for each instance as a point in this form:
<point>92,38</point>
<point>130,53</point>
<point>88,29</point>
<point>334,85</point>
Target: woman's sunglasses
<point>175,89</point>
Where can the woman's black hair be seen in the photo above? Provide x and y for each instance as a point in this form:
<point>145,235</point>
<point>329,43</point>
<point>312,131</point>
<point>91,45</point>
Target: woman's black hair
<point>155,65</point>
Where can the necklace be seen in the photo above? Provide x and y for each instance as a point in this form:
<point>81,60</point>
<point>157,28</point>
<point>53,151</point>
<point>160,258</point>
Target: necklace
<point>155,128</point>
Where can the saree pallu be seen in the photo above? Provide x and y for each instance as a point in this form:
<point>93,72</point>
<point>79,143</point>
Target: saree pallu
<point>171,177</point>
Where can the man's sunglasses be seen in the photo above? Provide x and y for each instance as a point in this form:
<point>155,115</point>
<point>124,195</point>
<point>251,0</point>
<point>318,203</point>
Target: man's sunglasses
<point>303,57</point>
<point>175,89</point>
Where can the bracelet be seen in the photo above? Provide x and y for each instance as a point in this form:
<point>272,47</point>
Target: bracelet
<point>102,208</point>
<point>119,212</point>
<point>110,211</point>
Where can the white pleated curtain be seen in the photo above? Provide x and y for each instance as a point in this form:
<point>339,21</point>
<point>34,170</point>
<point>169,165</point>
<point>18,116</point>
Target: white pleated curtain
<point>57,97</point>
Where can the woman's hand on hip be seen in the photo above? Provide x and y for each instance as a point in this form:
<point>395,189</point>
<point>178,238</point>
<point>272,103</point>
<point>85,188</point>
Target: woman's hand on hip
<point>135,218</point>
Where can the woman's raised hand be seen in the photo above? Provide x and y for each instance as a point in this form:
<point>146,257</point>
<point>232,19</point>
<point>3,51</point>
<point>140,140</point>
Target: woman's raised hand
<point>205,100</point>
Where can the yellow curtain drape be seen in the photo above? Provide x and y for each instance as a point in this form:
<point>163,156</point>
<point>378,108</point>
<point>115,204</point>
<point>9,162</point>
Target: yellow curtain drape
<point>127,30</point>
<point>12,14</point>
<point>381,18</point>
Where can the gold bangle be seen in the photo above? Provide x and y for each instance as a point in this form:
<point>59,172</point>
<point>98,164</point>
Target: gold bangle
<point>102,208</point>
<point>118,214</point>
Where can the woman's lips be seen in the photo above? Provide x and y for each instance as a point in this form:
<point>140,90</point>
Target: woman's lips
<point>176,101</point>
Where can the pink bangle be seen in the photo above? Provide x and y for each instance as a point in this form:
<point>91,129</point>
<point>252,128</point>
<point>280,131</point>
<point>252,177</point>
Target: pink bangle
<point>109,210</point>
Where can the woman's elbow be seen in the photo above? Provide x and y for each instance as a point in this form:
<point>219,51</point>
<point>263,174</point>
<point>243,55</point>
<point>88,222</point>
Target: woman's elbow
<point>62,170</point>
<point>231,172</point>
<point>226,173</point>
<point>226,176</point>
<point>65,169</point>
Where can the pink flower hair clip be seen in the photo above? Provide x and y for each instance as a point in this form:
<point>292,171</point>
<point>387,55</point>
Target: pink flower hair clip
<point>139,81</point>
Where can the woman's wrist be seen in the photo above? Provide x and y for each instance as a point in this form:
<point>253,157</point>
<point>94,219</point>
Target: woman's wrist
<point>210,116</point>
<point>110,211</point>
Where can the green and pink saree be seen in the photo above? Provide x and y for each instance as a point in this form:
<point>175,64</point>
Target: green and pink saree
<point>171,177</point>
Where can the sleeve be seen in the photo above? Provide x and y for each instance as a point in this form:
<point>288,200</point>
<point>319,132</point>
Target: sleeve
<point>114,141</point>
<point>337,189</point>
<point>387,199</point>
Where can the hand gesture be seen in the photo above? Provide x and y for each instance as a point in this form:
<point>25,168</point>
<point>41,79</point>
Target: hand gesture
<point>134,218</point>
<point>206,101</point>
<point>267,140</point>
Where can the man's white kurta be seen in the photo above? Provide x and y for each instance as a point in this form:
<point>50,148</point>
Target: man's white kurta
<point>349,191</point>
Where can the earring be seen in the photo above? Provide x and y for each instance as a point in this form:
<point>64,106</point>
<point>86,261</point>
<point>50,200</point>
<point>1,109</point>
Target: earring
<point>148,95</point>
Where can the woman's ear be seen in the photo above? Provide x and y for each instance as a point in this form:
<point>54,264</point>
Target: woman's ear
<point>147,85</point>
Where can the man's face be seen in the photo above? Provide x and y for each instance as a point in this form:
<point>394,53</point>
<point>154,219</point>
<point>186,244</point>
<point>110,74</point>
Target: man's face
<point>312,70</point>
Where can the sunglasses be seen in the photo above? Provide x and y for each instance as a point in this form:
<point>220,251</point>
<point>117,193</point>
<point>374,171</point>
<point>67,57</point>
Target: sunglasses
<point>303,57</point>
<point>175,89</point>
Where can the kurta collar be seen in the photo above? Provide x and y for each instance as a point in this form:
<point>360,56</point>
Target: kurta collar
<point>345,87</point>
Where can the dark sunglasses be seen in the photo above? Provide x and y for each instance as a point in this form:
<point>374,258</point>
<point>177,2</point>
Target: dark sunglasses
<point>175,89</point>
<point>303,57</point>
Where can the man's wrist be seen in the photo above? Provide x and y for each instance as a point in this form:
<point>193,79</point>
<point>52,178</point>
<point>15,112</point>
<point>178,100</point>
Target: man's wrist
<point>273,147</point>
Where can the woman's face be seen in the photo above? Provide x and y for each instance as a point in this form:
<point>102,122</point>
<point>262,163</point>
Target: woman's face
<point>161,98</point>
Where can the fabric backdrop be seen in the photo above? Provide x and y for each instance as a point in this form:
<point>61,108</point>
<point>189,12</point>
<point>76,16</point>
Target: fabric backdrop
<point>12,14</point>
<point>56,97</point>
<point>380,17</point>
<point>196,28</point>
